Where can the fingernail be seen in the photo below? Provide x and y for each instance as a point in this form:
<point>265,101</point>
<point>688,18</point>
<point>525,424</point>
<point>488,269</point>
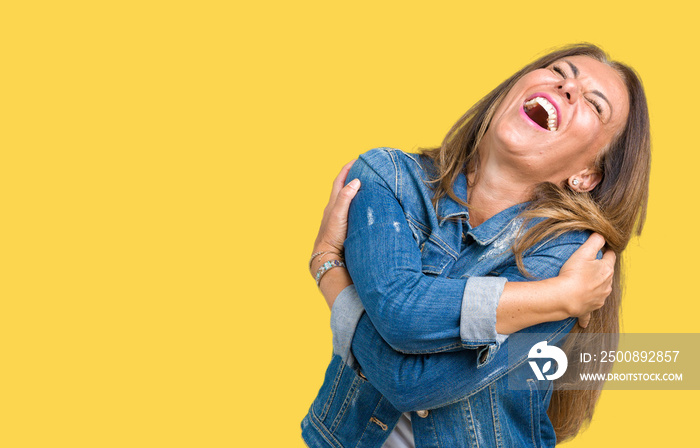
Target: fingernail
<point>355,184</point>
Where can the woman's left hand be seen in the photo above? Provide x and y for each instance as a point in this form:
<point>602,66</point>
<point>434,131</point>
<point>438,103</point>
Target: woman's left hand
<point>334,225</point>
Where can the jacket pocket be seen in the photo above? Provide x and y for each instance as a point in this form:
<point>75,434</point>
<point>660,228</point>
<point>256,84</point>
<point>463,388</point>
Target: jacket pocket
<point>324,400</point>
<point>433,252</point>
<point>339,388</point>
<point>433,258</point>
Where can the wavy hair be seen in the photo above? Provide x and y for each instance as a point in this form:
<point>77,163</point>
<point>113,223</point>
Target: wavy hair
<point>615,208</point>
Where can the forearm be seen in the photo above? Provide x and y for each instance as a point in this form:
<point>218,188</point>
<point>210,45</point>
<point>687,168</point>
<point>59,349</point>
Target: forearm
<point>521,305</point>
<point>413,382</point>
<point>524,304</point>
<point>334,280</point>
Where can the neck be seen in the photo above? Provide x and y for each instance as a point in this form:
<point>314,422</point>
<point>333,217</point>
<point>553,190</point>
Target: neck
<point>493,189</point>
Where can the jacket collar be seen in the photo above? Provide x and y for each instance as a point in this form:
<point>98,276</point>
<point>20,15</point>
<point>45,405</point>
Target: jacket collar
<point>492,228</point>
<point>449,208</point>
<point>486,232</point>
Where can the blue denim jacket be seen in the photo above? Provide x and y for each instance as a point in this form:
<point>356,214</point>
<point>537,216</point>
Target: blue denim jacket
<point>430,284</point>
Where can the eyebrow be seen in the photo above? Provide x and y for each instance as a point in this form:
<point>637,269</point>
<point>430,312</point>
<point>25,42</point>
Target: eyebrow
<point>575,70</point>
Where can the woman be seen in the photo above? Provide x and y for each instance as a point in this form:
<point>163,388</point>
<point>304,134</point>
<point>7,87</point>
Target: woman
<point>564,144</point>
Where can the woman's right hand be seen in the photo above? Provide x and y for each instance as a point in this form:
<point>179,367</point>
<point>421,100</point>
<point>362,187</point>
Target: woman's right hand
<point>334,224</point>
<point>332,233</point>
<point>587,280</point>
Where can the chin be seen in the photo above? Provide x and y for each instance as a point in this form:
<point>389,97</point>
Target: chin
<point>511,138</point>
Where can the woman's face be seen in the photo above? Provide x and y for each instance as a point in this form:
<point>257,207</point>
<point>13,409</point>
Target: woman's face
<point>555,120</point>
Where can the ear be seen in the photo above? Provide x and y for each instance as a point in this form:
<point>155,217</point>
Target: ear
<point>584,180</point>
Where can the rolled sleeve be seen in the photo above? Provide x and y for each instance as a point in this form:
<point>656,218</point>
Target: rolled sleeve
<point>477,323</point>
<point>345,314</point>
<point>477,326</point>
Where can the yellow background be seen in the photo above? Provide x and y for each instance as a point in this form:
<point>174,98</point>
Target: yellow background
<point>164,168</point>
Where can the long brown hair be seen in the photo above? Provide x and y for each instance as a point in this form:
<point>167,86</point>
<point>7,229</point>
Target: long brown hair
<point>615,208</point>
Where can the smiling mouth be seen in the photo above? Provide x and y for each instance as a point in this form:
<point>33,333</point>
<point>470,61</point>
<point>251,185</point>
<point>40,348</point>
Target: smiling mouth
<point>542,112</point>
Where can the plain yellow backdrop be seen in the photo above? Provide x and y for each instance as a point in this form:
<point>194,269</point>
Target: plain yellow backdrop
<point>164,169</point>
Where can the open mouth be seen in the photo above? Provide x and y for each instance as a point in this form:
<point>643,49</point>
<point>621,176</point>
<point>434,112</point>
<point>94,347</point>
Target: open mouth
<point>542,112</point>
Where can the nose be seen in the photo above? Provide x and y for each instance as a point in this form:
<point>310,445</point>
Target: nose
<point>570,89</point>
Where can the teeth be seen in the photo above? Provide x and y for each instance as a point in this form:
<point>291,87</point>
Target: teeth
<point>547,106</point>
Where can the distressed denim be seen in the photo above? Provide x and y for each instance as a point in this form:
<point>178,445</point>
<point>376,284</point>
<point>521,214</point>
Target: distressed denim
<point>427,340</point>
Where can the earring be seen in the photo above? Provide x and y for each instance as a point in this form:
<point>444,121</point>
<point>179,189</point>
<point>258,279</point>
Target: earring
<point>575,182</point>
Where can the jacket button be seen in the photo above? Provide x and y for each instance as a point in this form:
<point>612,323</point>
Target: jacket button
<point>422,414</point>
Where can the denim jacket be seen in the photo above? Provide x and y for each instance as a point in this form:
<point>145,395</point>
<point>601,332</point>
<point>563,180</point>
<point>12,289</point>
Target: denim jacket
<point>417,333</point>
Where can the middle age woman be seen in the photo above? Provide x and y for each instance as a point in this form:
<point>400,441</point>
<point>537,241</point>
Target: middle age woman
<point>558,141</point>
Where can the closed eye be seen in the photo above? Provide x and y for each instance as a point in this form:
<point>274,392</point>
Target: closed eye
<point>558,69</point>
<point>597,105</point>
